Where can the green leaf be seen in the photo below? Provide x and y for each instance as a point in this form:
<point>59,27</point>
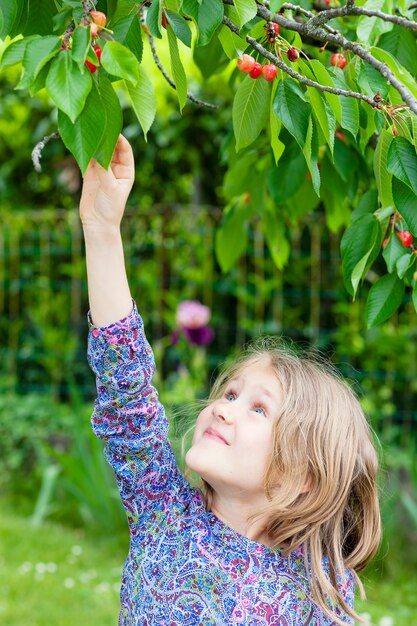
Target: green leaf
<point>38,52</point>
<point>285,180</point>
<point>369,28</point>
<point>250,109</point>
<point>371,81</point>
<point>350,106</point>
<point>14,52</point>
<point>210,59</point>
<point>414,295</point>
<point>275,125</point>
<point>404,263</point>
<point>179,26</point>
<point>9,11</point>
<point>84,136</point>
<point>80,46</point>
<point>67,87</point>
<point>278,244</point>
<point>324,78</point>
<point>210,16</point>
<point>39,17</point>
<point>143,100</point>
<point>231,235</point>
<point>177,68</point>
<point>114,122</point>
<point>392,251</point>
<point>406,202</point>
<point>401,44</point>
<point>382,176</point>
<point>191,8</point>
<point>119,61</point>
<point>292,109</point>
<point>239,173</point>
<point>246,10</point>
<point>368,203</point>
<point>399,71</point>
<point>153,18</point>
<point>310,151</point>
<point>361,239</point>
<point>232,44</point>
<point>126,27</point>
<point>321,110</point>
<point>385,296</point>
<point>402,162</point>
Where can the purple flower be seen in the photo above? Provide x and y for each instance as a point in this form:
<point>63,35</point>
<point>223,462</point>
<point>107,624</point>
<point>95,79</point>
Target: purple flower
<point>192,320</point>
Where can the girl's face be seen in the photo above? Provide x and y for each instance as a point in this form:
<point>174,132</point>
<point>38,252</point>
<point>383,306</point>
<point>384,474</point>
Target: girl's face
<point>233,435</point>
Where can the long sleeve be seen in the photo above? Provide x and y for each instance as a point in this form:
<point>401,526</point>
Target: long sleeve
<point>131,420</point>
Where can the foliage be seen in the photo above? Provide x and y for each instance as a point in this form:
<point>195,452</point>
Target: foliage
<point>317,139</point>
<point>26,423</point>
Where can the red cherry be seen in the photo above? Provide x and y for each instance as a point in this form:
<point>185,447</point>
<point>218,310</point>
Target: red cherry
<point>99,18</point>
<point>292,54</point>
<point>340,135</point>
<point>91,66</point>
<point>338,60</point>
<point>256,71</point>
<point>406,237</point>
<point>269,71</point>
<point>245,63</point>
<point>98,51</point>
<point>275,26</point>
<point>164,21</point>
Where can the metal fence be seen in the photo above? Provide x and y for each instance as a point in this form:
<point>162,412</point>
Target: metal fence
<point>170,257</point>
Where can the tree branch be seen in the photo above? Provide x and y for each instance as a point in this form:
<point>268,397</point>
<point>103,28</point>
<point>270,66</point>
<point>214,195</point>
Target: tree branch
<point>322,35</point>
<point>299,77</point>
<point>352,9</point>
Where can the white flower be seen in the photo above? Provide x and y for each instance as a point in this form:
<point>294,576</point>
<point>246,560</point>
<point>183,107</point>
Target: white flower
<point>25,568</point>
<point>386,621</point>
<point>69,583</point>
<point>76,550</point>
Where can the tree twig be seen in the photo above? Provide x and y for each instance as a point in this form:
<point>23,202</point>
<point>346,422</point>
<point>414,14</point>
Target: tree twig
<point>302,79</point>
<point>37,150</point>
<point>165,74</point>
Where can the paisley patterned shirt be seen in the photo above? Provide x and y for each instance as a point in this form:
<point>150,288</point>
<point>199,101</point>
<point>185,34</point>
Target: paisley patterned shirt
<point>185,567</point>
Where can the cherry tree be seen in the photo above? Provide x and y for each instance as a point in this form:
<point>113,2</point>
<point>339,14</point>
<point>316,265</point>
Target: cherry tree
<point>323,111</point>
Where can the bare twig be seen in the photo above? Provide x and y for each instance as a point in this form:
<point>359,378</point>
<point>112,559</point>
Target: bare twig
<point>37,150</point>
<point>165,74</point>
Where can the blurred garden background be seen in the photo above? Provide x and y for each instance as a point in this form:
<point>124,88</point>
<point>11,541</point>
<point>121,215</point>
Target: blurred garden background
<point>63,536</point>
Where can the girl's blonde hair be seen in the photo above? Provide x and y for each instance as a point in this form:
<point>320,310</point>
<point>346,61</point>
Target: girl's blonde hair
<point>325,464</point>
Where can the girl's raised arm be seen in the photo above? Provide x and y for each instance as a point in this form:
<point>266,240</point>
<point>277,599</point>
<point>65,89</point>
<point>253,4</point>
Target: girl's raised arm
<point>102,204</point>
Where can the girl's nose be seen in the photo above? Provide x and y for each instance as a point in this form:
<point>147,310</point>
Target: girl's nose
<point>223,412</point>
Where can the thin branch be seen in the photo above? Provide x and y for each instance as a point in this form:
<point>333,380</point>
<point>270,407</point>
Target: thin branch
<point>302,79</point>
<point>317,32</point>
<point>37,150</point>
<point>165,74</point>
<point>352,9</point>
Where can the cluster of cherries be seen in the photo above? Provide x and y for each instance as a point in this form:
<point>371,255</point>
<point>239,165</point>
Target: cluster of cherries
<point>98,22</point>
<point>247,64</point>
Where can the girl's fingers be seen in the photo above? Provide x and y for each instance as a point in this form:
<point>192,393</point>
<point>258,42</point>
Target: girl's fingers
<point>123,153</point>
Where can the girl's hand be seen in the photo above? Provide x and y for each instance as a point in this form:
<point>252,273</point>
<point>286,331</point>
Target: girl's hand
<point>105,192</point>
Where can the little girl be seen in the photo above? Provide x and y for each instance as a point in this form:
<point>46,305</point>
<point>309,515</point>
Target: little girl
<point>288,510</point>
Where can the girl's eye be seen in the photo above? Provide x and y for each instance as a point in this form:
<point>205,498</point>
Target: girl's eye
<point>230,395</point>
<point>261,410</point>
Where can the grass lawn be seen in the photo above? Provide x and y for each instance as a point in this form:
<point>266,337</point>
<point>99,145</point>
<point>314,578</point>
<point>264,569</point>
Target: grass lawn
<point>53,575</point>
